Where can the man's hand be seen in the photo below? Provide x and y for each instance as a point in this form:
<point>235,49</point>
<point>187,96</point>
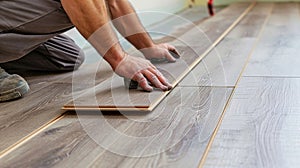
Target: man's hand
<point>91,19</point>
<point>161,52</point>
<point>142,71</point>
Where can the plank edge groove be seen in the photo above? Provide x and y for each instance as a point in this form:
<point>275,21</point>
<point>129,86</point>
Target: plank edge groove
<point>209,145</point>
<point>29,136</point>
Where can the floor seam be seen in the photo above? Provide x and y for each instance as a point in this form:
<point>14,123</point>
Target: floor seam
<point>14,146</point>
<point>265,76</point>
<point>208,147</point>
<point>185,86</point>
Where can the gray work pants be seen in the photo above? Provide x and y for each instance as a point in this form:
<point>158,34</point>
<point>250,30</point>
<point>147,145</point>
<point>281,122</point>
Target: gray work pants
<point>30,37</point>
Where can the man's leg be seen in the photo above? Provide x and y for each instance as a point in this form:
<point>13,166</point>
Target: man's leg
<point>59,53</point>
<point>24,25</point>
<point>25,30</point>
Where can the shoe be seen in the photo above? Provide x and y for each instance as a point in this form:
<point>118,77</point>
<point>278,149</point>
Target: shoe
<point>11,86</point>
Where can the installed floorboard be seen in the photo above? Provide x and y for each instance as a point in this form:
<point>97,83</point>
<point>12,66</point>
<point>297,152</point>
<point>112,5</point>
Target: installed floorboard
<point>113,96</point>
<point>171,136</point>
<point>182,124</point>
<point>277,53</point>
<point>261,126</point>
<point>43,103</point>
<point>210,30</point>
<point>21,117</point>
<point>223,65</point>
<point>49,92</point>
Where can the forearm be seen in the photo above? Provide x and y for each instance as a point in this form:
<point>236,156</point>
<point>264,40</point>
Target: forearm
<point>91,19</point>
<point>128,24</point>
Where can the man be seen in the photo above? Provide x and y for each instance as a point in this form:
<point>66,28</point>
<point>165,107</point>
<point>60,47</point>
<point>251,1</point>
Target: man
<point>30,39</point>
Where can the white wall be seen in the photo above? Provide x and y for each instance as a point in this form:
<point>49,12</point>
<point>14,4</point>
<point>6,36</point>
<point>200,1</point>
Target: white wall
<point>169,6</point>
<point>159,5</point>
<point>226,2</point>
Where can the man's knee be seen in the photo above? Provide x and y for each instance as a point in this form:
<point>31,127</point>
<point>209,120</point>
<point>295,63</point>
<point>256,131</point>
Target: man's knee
<point>57,54</point>
<point>64,53</point>
<point>79,61</point>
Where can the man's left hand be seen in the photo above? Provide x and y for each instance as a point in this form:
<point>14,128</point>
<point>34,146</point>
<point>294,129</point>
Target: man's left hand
<point>161,52</point>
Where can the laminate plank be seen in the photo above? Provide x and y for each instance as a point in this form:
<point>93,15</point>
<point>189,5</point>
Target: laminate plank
<point>251,24</point>
<point>43,103</point>
<point>19,118</point>
<point>113,95</point>
<point>223,65</point>
<point>210,30</point>
<point>169,137</point>
<point>277,51</point>
<point>189,113</point>
<point>261,125</point>
<point>63,144</point>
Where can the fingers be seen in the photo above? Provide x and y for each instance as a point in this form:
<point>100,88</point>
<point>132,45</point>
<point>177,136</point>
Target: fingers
<point>173,51</point>
<point>170,57</point>
<point>143,83</point>
<point>161,78</point>
<point>161,53</point>
<point>154,77</point>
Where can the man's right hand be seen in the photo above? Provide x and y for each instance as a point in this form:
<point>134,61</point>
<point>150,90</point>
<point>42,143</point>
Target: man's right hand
<point>142,71</point>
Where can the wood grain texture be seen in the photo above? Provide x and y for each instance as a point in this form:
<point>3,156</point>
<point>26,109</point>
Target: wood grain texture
<point>175,138</point>
<point>20,117</point>
<point>223,65</point>
<point>251,24</point>
<point>49,91</point>
<point>187,114</point>
<point>113,96</point>
<point>277,51</point>
<point>112,93</point>
<point>261,126</point>
<point>210,30</point>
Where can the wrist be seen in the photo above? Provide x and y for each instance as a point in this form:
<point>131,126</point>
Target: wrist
<point>114,57</point>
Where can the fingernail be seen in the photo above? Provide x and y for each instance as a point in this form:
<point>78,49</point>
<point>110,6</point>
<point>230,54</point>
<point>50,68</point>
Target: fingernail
<point>149,89</point>
<point>170,86</point>
<point>173,60</point>
<point>165,88</point>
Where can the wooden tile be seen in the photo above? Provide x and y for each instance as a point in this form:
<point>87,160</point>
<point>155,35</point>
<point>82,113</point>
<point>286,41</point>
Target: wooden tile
<point>251,24</point>
<point>223,65</point>
<point>188,115</point>
<point>261,126</point>
<point>19,118</point>
<point>277,52</point>
<point>49,92</point>
<point>177,138</point>
<point>211,29</point>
